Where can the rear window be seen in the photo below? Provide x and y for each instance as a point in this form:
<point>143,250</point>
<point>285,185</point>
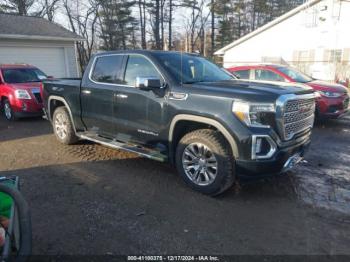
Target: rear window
<point>108,69</point>
<point>242,74</point>
<point>22,75</point>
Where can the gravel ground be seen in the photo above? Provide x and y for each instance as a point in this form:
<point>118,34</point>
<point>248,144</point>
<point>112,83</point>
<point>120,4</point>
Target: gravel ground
<point>88,199</point>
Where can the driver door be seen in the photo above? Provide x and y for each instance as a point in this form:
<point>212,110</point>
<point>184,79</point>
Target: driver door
<point>139,114</point>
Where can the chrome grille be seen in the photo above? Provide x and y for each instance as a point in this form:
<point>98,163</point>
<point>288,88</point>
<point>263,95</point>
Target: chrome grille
<point>298,115</point>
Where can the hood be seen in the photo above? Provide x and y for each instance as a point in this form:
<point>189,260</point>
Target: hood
<point>261,88</point>
<point>326,86</point>
<point>26,86</point>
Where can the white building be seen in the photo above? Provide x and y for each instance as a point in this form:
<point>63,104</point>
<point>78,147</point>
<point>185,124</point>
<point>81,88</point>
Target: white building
<point>315,37</point>
<point>36,41</point>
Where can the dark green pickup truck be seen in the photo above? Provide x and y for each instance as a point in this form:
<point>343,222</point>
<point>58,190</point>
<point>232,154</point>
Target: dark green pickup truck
<point>183,109</point>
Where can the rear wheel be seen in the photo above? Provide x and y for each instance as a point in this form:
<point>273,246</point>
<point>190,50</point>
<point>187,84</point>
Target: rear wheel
<point>205,162</point>
<point>63,127</point>
<point>8,112</point>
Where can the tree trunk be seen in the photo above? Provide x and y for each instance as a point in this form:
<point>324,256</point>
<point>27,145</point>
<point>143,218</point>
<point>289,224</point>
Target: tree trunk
<point>212,28</point>
<point>170,24</point>
<point>142,25</point>
<point>156,26</point>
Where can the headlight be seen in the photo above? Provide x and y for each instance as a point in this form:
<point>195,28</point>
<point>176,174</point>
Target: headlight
<point>22,94</point>
<point>330,94</point>
<point>252,114</point>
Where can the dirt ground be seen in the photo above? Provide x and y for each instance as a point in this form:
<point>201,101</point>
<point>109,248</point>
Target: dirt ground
<point>88,199</point>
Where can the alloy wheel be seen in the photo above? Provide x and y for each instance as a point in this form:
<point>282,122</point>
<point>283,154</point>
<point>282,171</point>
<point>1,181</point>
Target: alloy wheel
<point>200,164</point>
<point>61,126</point>
<point>8,111</point>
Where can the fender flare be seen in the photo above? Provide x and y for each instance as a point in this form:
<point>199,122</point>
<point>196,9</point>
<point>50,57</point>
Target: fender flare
<point>205,120</point>
<point>61,99</point>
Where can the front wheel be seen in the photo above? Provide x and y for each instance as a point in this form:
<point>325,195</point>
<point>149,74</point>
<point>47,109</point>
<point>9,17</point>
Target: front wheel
<point>8,112</point>
<point>63,127</point>
<point>205,162</point>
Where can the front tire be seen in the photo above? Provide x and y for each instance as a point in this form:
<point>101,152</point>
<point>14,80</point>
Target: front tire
<point>205,162</point>
<point>63,127</point>
<point>8,112</point>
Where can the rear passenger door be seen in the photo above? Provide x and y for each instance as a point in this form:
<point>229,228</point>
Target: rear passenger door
<point>97,93</point>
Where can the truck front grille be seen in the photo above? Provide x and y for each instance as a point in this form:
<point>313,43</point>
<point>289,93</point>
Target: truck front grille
<point>297,115</point>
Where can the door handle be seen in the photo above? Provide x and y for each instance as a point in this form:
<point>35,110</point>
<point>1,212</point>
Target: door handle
<point>88,92</point>
<point>121,96</point>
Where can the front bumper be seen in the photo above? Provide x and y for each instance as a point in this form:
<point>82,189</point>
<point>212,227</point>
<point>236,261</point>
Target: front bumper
<point>27,108</point>
<point>332,107</point>
<point>285,157</point>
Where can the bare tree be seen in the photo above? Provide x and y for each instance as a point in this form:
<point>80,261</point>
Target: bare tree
<point>48,8</point>
<point>83,21</point>
<point>155,22</point>
<point>196,21</point>
<point>20,7</point>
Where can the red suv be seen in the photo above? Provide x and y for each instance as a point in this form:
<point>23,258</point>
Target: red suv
<point>20,91</point>
<point>332,100</point>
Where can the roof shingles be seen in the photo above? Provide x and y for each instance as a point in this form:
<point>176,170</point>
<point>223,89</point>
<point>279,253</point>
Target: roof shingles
<point>15,25</point>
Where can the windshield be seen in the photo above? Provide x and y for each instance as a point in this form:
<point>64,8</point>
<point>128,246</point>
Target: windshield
<point>23,75</point>
<point>193,69</point>
<point>295,75</point>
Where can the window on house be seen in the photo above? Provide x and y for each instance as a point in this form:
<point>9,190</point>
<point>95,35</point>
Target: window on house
<point>311,17</point>
<point>303,56</point>
<point>335,56</point>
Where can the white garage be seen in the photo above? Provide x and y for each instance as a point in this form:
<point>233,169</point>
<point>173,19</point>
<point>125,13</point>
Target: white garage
<point>41,43</point>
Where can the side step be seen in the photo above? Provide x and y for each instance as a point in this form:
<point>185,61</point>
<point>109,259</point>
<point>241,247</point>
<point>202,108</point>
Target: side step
<point>142,151</point>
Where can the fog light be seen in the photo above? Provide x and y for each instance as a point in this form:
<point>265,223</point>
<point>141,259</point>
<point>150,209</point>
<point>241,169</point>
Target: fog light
<point>258,145</point>
<point>24,106</point>
<point>263,147</point>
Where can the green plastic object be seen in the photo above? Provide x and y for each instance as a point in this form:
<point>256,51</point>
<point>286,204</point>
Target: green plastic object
<point>6,202</point>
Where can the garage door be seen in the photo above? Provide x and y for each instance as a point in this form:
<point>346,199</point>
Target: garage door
<point>50,60</point>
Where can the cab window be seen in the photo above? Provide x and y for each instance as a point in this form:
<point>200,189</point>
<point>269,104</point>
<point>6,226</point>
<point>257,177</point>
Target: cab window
<point>139,66</point>
<point>267,75</point>
<point>107,69</point>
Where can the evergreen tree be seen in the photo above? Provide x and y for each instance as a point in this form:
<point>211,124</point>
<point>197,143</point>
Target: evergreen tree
<point>118,26</point>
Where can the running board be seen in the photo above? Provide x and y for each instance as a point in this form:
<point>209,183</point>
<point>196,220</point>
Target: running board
<point>142,151</point>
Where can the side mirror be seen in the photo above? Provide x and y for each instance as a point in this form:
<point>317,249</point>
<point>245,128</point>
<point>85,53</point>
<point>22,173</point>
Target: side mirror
<point>148,83</point>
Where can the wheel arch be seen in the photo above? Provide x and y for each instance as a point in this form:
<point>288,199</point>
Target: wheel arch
<point>202,121</point>
<point>57,101</point>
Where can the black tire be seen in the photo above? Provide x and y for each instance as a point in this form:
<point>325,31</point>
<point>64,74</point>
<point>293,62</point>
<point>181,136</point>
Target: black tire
<point>213,140</point>
<point>69,137</point>
<point>8,111</point>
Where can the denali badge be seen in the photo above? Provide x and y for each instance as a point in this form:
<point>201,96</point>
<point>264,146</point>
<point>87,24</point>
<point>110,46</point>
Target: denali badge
<point>147,132</point>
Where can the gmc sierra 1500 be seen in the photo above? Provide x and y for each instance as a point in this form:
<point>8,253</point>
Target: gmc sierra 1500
<point>181,108</point>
